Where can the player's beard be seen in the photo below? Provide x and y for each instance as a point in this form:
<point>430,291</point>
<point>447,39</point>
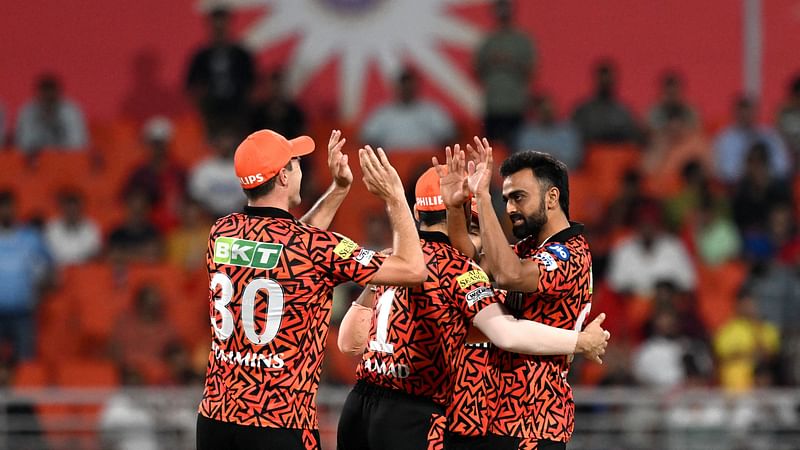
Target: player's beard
<point>531,225</point>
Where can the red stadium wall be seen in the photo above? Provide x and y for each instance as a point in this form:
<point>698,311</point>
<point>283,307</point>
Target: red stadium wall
<point>92,44</point>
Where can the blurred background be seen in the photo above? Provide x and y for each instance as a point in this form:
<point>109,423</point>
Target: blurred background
<point>679,121</point>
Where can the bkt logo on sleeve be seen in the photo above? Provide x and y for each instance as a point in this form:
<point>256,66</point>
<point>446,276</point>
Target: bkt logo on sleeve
<point>241,252</point>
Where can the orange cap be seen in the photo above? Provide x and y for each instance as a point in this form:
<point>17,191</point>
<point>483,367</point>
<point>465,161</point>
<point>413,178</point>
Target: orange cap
<point>264,153</point>
<point>428,193</point>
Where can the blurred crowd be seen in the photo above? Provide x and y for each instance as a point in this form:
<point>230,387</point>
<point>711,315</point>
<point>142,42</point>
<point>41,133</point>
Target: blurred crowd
<point>693,224</point>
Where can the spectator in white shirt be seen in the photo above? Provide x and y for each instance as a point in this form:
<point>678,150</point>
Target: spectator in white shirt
<point>409,122</point>
<point>648,256</point>
<point>50,120</point>
<point>213,182</point>
<point>72,238</point>
<point>734,142</point>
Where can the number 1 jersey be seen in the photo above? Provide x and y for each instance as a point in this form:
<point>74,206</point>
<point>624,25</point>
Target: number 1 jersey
<point>271,286</point>
<point>419,332</point>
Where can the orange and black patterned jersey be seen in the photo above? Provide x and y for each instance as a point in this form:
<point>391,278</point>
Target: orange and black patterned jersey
<point>535,399</point>
<point>272,280</point>
<point>474,393</point>
<point>419,332</point>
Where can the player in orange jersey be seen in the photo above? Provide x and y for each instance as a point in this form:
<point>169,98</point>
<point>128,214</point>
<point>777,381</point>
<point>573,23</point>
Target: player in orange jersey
<point>548,276</point>
<point>271,283</point>
<point>407,370</point>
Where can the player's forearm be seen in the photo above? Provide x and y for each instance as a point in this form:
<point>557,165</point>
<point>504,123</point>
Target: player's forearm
<point>457,232</point>
<point>322,213</point>
<point>405,239</point>
<point>495,248</point>
<point>531,338</point>
<point>354,329</point>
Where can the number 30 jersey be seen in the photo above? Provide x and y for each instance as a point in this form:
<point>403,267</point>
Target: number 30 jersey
<point>271,286</point>
<point>419,332</point>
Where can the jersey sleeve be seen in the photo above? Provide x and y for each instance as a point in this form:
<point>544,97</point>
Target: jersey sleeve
<point>342,260</point>
<point>559,271</point>
<point>470,288</point>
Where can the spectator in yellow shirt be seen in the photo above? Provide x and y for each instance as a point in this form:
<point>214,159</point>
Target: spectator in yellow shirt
<point>744,343</point>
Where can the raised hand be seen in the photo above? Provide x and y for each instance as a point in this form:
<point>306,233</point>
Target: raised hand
<point>593,340</point>
<point>380,177</point>
<point>479,168</point>
<point>452,178</point>
<point>338,161</point>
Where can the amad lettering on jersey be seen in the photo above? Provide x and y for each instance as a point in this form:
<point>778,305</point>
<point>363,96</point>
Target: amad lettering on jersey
<point>393,370</point>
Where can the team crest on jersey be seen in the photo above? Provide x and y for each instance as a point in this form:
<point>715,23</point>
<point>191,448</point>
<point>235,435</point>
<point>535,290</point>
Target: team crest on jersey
<point>241,252</point>
<point>472,277</point>
<point>345,248</point>
<point>364,256</point>
<point>477,294</point>
<point>548,260</point>
<point>560,251</point>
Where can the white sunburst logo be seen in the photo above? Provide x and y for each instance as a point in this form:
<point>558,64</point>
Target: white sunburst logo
<point>359,32</point>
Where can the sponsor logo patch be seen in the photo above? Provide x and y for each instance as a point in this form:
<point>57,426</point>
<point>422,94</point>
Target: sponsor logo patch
<point>560,251</point>
<point>345,248</point>
<point>472,277</point>
<point>364,256</point>
<point>241,252</point>
<point>548,260</point>
<point>477,294</point>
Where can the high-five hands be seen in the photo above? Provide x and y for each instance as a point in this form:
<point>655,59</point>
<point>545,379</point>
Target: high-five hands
<point>452,177</point>
<point>479,168</point>
<point>338,161</point>
<point>379,176</point>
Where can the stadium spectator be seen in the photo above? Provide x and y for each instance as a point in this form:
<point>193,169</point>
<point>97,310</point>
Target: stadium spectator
<point>23,276</point>
<point>220,75</point>
<point>149,94</point>
<point>733,144</point>
<point>275,109</point>
<point>776,288</point>
<point>672,98</point>
<point>409,122</point>
<point>651,254</point>
<point>142,336</point>
<point>603,118</point>
<point>73,238</point>
<point>505,63</point>
<point>213,182</point>
<point>186,242</point>
<point>756,193</point>
<point>659,360</point>
<point>136,239</point>
<point>621,211</point>
<point>127,424</point>
<point>695,185</point>
<point>709,232</point>
<point>161,178</point>
<point>50,120</point>
<point>743,343</point>
<point>672,145</point>
<point>788,120</point>
<point>543,132</point>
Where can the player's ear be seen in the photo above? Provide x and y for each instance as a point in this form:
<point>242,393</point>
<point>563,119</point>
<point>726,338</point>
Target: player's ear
<point>283,177</point>
<point>552,197</point>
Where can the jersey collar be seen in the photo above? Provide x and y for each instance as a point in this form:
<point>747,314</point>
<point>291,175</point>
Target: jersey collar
<point>267,211</point>
<point>574,229</point>
<point>434,236</point>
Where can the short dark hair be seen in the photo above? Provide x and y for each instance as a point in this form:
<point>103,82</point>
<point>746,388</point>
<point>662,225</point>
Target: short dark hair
<point>7,197</point>
<point>430,218</point>
<point>265,187</point>
<point>549,171</point>
<point>795,85</point>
